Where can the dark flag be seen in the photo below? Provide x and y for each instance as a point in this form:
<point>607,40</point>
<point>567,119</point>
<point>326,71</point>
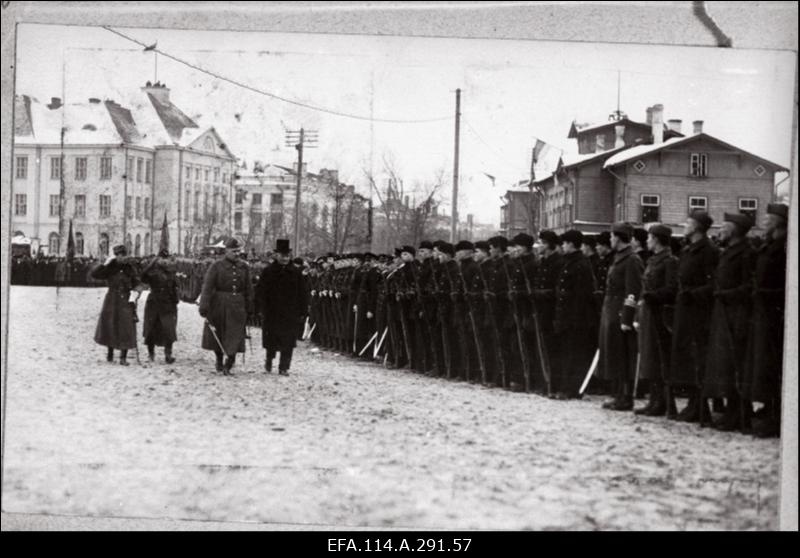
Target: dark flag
<point>164,242</point>
<point>70,244</point>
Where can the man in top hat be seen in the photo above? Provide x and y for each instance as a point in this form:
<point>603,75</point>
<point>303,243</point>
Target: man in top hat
<point>764,367</point>
<point>730,321</point>
<point>617,337</point>
<point>659,287</point>
<point>116,327</point>
<point>281,300</point>
<point>161,308</point>
<point>693,304</point>
<point>226,302</point>
<point>574,324</point>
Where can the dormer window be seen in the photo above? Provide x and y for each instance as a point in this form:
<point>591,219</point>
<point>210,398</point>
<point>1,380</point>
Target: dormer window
<point>698,164</point>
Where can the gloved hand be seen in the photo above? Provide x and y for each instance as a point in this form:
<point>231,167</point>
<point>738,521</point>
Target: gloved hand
<point>370,315</point>
<point>355,308</point>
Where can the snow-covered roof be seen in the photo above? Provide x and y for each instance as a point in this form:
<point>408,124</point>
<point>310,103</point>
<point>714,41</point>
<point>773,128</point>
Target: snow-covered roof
<point>641,150</point>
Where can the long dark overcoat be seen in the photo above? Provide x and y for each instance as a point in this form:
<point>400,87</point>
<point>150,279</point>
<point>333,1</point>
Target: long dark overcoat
<point>659,287</point>
<point>116,327</point>
<point>161,309</point>
<point>226,300</point>
<point>281,299</point>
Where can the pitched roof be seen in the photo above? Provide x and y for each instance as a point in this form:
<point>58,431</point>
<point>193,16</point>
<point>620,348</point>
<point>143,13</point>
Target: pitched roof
<point>576,129</point>
<point>646,150</point>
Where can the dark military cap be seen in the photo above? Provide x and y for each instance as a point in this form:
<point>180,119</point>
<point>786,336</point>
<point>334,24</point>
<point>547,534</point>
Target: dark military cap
<point>622,230</point>
<point>447,248</point>
<point>499,242</point>
<point>464,245</point>
<point>702,218</point>
<point>523,239</point>
<point>589,241</point>
<point>426,244</point>
<point>233,244</point>
<point>640,235</point>
<point>779,209</point>
<point>742,221</point>
<point>573,236</point>
<point>119,250</point>
<point>604,238</point>
<point>482,245</point>
<point>549,237</point>
<point>662,233</point>
<point>409,249</point>
<point>437,243</point>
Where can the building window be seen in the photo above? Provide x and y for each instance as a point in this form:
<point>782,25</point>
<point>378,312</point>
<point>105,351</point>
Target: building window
<point>205,174</point>
<point>148,171</point>
<point>137,247</point>
<point>102,243</point>
<point>698,164</point>
<point>237,220</point>
<point>80,205</point>
<point>214,213</point>
<point>224,177</point>
<point>105,207</point>
<point>147,214</point>
<point>22,167</point>
<point>276,200</point>
<point>239,197</point>
<point>20,204</point>
<point>129,171</point>
<point>139,167</point>
<point>650,208</point>
<point>205,206</point>
<point>255,221</point>
<point>80,168</point>
<point>128,244</point>
<point>146,245</point>
<point>52,243</point>
<point>698,202</point>
<point>276,222</point>
<point>105,168</point>
<point>216,175</point>
<point>197,205</point>
<point>257,200</point>
<point>55,168</point>
<point>138,207</point>
<point>187,205</point>
<point>79,243</point>
<point>197,173</point>
<point>54,205</point>
<point>749,206</point>
<point>129,206</point>
<point>187,172</point>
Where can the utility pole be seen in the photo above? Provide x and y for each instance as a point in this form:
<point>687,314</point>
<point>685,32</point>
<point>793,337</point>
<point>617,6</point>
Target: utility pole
<point>299,140</point>
<point>454,222</point>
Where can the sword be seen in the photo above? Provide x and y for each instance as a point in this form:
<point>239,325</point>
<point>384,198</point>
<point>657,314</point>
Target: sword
<point>636,376</point>
<point>214,333</point>
<point>313,327</point>
<point>377,348</point>
<point>371,340</point>
<point>355,329</point>
<point>589,374</point>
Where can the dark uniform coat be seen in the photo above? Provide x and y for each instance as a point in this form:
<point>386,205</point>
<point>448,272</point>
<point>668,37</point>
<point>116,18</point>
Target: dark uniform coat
<point>116,327</point>
<point>282,300</point>
<point>161,308</point>
<point>226,300</point>
<point>659,286</point>
<point>617,347</point>
<point>693,312</point>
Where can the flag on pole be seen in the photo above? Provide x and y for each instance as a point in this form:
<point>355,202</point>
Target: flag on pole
<point>164,242</point>
<point>70,244</point>
<point>490,177</point>
<point>535,155</point>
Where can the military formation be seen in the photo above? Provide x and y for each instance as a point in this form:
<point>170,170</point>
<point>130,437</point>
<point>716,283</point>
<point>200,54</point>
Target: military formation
<point>629,312</point>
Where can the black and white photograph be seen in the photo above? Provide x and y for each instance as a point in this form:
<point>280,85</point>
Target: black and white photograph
<point>265,276</point>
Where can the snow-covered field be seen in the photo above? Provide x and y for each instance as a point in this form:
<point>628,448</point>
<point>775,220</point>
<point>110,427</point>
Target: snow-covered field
<point>342,443</point>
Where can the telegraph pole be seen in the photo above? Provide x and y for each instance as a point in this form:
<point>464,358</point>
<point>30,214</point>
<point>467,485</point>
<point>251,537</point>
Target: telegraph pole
<point>299,140</point>
<point>454,223</point>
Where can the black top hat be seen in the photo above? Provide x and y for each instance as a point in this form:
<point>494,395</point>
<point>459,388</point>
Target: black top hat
<point>282,246</point>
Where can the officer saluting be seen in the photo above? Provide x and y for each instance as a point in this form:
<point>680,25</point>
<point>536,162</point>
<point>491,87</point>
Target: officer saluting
<point>281,300</point>
<point>226,302</point>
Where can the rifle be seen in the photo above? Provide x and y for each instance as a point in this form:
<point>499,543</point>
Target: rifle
<point>425,318</point>
<point>448,364</point>
<point>464,341</point>
<point>590,373</point>
<point>523,351</point>
<point>495,333</point>
<point>404,325</point>
<point>541,348</point>
<point>475,334</point>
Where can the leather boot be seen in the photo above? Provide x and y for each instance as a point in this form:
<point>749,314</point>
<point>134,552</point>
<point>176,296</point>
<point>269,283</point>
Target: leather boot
<point>110,355</point>
<point>654,396</point>
<point>731,417</point>
<point>151,353</point>
<point>219,366</point>
<point>229,362</point>
<point>659,408</point>
<point>123,357</point>
<point>717,405</point>
<point>671,408</point>
<point>689,413</point>
<point>746,414</point>
<point>168,358</point>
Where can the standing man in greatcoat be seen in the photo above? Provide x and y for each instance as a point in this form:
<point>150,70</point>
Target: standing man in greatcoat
<point>694,302</point>
<point>617,338</point>
<point>161,308</point>
<point>226,303</point>
<point>116,327</point>
<point>281,300</point>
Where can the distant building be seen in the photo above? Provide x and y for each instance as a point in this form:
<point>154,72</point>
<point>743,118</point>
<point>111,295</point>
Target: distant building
<point>646,173</point>
<point>115,171</point>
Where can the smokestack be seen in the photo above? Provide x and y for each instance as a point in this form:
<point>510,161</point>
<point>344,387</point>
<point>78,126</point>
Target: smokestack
<point>158,91</point>
<point>658,124</point>
<point>649,116</point>
<point>55,102</point>
<point>619,130</point>
<point>674,125</point>
<point>698,127</point>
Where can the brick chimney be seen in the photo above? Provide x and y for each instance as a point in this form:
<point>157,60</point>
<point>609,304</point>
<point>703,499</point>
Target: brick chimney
<point>158,90</point>
<point>697,126</point>
<point>619,130</point>
<point>658,124</point>
<point>675,125</point>
<point>649,120</point>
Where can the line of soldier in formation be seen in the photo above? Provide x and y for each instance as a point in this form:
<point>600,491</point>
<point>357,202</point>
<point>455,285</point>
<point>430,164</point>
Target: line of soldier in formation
<point>692,319</point>
<point>632,307</point>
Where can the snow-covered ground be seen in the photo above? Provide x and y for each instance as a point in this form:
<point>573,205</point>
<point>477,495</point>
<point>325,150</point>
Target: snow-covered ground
<point>342,443</point>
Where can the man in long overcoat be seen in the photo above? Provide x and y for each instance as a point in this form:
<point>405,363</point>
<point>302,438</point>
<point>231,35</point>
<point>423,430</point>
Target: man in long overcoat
<point>116,327</point>
<point>161,308</point>
<point>226,301</point>
<point>617,341</point>
<point>282,301</point>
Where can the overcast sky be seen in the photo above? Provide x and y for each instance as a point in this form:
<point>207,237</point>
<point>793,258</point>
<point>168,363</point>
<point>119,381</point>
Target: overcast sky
<point>512,93</point>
